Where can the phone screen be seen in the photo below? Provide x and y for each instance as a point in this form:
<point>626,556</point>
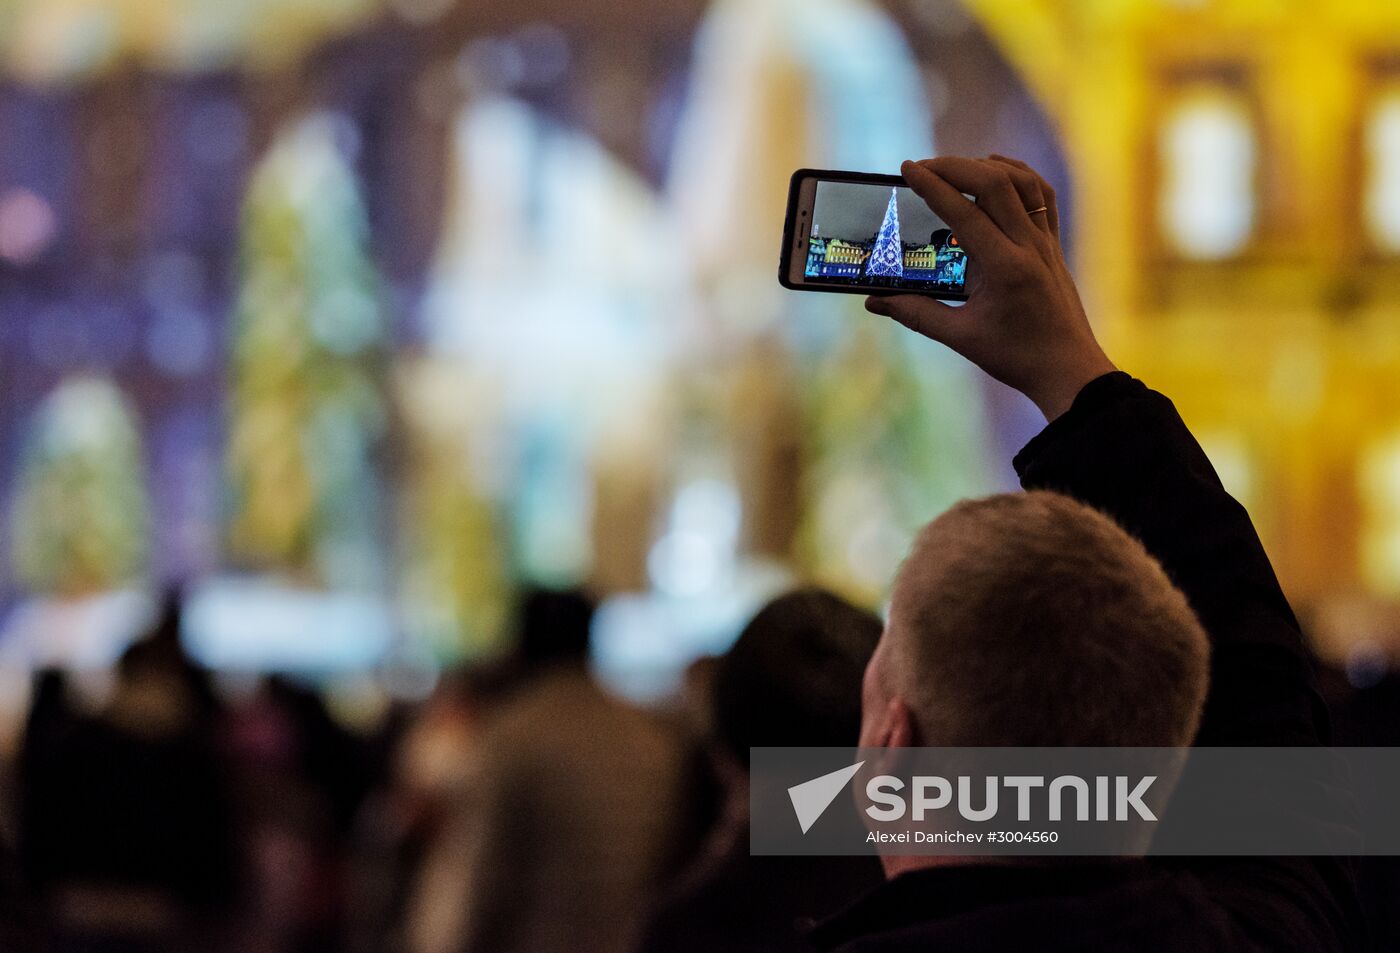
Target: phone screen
<point>871,235</point>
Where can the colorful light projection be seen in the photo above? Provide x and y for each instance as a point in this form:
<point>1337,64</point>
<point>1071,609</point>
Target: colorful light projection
<point>80,509</point>
<point>890,429</point>
<point>62,40</point>
<point>306,402</point>
<point>616,375</point>
<point>553,321</point>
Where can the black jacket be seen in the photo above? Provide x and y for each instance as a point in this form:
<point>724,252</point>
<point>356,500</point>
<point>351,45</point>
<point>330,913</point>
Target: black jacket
<point>1124,450</point>
<point>756,904</point>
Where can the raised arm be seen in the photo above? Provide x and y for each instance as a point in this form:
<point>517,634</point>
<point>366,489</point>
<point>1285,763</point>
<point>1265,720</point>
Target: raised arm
<point>1114,444</point>
<point>1122,448</point>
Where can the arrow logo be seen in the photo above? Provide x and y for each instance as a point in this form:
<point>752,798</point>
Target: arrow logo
<point>810,799</point>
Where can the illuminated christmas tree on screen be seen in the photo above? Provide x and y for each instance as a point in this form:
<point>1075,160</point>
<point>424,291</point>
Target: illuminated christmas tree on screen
<point>887,258</point>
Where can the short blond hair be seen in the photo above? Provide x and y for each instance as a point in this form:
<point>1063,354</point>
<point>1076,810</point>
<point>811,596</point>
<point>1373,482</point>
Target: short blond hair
<point>1032,619</point>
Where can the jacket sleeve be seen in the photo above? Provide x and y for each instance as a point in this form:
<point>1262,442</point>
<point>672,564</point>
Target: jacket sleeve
<point>1123,449</point>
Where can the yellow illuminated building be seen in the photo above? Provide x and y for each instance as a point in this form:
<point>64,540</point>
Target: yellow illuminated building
<point>1237,231</point>
<point>922,256</point>
<point>840,252</point>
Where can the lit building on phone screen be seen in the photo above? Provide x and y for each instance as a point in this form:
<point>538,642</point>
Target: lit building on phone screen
<point>836,258</point>
<point>940,259</point>
<point>920,258</point>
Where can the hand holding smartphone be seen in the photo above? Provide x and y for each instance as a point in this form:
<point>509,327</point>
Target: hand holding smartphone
<point>863,233</point>
<point>1023,322</point>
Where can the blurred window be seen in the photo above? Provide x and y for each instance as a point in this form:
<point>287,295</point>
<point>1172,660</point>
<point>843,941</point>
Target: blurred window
<point>1209,154</point>
<point>1380,497</point>
<point>1383,171</point>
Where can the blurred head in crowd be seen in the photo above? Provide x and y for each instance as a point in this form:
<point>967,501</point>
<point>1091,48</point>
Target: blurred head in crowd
<point>1031,619</point>
<point>50,714</point>
<point>793,676</point>
<point>50,691</point>
<point>169,620</point>
<point>552,627</point>
<point>150,696</point>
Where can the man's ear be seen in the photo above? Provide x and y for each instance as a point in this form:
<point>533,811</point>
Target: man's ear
<point>901,730</point>
<point>894,728</point>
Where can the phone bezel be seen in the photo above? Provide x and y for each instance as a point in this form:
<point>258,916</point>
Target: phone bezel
<point>795,234</point>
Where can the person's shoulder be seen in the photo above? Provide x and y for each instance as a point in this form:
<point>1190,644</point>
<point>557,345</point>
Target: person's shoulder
<point>726,903</point>
<point>562,708</point>
<point>1145,910</point>
<point>1165,911</point>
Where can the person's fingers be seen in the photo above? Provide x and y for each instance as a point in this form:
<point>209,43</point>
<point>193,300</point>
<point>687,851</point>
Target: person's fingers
<point>1047,193</point>
<point>991,183</point>
<point>1027,185</point>
<point>975,231</point>
<point>933,319</point>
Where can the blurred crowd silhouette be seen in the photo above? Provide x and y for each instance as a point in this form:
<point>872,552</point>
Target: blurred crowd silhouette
<point>486,818</point>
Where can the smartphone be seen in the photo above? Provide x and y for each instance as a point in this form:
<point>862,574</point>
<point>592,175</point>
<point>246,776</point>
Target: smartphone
<point>864,233</point>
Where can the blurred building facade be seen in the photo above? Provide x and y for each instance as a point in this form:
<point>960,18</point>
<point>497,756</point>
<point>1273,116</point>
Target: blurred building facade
<point>298,249</point>
<point>1239,249</point>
